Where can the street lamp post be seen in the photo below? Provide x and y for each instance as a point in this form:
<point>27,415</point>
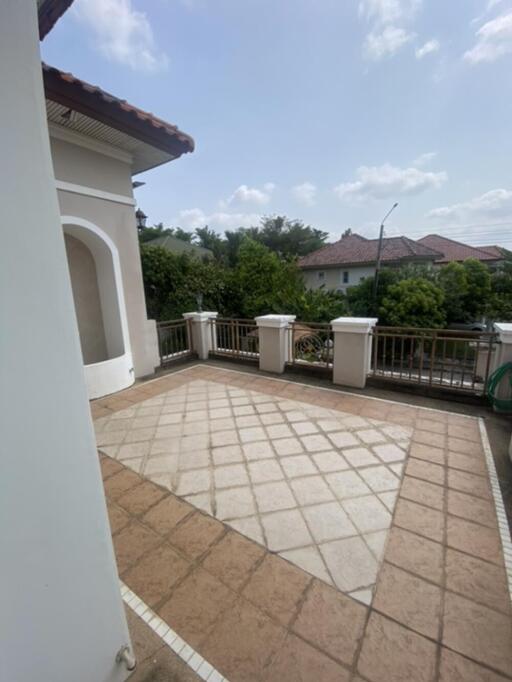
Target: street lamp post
<point>379,251</point>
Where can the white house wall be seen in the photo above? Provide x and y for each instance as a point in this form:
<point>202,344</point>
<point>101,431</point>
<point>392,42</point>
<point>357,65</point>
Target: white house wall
<point>85,169</point>
<point>333,277</point>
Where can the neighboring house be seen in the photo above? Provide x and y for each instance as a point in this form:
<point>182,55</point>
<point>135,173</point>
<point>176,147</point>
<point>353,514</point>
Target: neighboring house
<point>175,245</point>
<point>457,252</point>
<point>98,142</point>
<point>353,258</point>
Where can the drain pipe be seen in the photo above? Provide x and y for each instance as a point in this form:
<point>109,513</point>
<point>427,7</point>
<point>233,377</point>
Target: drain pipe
<point>124,655</point>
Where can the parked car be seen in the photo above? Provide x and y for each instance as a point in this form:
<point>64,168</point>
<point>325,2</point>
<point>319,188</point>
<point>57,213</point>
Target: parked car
<point>469,326</point>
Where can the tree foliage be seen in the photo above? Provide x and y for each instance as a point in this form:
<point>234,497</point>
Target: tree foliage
<point>413,303</point>
<point>147,234</point>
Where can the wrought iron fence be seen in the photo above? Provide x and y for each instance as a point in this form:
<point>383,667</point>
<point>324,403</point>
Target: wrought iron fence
<point>235,338</point>
<point>442,358</point>
<point>310,344</point>
<point>174,340</point>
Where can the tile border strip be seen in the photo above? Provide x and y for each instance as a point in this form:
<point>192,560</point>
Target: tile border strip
<point>190,656</point>
<point>299,383</point>
<point>506,539</point>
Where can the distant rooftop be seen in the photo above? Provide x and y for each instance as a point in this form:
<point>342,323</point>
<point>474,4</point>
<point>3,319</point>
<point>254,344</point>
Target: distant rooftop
<point>357,250</point>
<point>176,245</point>
<point>454,251</point>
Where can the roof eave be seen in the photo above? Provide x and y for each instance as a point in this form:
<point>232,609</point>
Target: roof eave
<point>49,12</point>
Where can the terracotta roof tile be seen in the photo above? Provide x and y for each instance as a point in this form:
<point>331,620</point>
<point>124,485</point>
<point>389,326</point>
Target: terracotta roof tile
<point>49,12</point>
<point>354,249</point>
<point>452,250</point>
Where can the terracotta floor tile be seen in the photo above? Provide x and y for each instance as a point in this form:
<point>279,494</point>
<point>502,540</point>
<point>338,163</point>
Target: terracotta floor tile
<point>419,519</point>
<point>468,483</point>
<point>436,440</point>
<point>242,642</point>
<point>428,453</point>
<point>432,425</point>
<point>118,517</point>
<point>195,605</point>
<point>164,516</point>
<point>415,554</point>
<point>469,431</point>
<point>474,465</point>
<point>423,492</point>
<point>477,580</point>
<point>465,446</point>
<point>471,508</point>
<point>153,577</point>
<point>277,587</point>
<point>331,621</point>
<point>131,543</point>
<point>409,600</point>
<point>138,500</point>
<point>456,668</point>
<point>232,559</point>
<point>478,632</point>
<point>109,466</point>
<point>474,539</point>
<point>392,653</point>
<point>119,483</point>
<point>298,662</point>
<point>425,470</point>
<point>195,535</point>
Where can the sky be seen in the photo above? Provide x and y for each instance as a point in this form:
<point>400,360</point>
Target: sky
<point>327,111</point>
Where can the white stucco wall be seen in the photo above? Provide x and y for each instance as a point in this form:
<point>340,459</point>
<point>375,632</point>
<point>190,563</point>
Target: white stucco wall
<point>73,163</point>
<point>62,616</point>
<point>333,277</point>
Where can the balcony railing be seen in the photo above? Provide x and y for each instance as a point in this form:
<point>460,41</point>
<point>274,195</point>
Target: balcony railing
<point>174,340</point>
<point>441,358</point>
<point>310,345</point>
<point>235,338</point>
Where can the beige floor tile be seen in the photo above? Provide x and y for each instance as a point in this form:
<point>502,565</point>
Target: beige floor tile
<point>311,490</point>
<point>265,471</point>
<point>347,484</point>
<point>285,530</point>
<point>367,513</point>
<point>328,521</point>
<point>350,562</point>
<point>235,503</point>
<point>379,479</point>
<point>297,465</point>
<point>230,475</point>
<point>310,560</point>
<point>274,496</point>
<point>360,457</point>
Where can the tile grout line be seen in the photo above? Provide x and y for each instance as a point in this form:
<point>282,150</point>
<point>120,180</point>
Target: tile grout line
<point>503,527</point>
<point>188,654</point>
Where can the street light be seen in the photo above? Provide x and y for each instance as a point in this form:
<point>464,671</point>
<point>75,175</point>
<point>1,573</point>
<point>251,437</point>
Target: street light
<point>141,218</point>
<point>379,251</point>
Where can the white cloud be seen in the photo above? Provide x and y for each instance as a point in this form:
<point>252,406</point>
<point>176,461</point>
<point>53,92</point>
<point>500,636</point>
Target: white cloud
<point>387,181</point>
<point>424,159</point>
<point>249,195</point>
<point>122,34</point>
<point>305,193</point>
<point>429,47</point>
<point>190,219</point>
<point>493,40</point>
<point>497,203</point>
<point>388,11</point>
<point>385,43</point>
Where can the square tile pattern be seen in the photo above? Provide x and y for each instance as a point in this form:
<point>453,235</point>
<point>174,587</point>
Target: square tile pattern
<point>318,486</point>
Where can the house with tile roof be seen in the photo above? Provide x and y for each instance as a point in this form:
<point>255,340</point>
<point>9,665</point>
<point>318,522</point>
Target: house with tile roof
<point>353,258</point>
<point>457,252</point>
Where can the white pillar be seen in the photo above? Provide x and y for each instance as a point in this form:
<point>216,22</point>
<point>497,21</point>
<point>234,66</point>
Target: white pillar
<point>503,355</point>
<point>61,605</point>
<point>203,337</point>
<point>273,341</point>
<point>352,350</point>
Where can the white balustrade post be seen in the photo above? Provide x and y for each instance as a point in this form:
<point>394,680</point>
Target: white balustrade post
<point>273,341</point>
<point>503,355</point>
<point>201,331</point>
<point>352,350</point>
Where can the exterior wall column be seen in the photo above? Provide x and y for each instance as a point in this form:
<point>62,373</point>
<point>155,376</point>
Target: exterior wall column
<point>273,341</point>
<point>503,355</point>
<point>352,350</point>
<point>65,615</point>
<point>203,340</point>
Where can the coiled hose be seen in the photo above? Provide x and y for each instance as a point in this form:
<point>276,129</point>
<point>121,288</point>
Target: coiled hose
<point>500,404</point>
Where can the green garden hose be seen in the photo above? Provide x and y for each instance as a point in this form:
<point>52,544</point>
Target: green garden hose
<point>495,379</point>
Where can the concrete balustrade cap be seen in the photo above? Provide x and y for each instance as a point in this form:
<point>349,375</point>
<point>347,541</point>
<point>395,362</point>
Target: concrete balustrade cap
<point>504,329</point>
<point>200,317</point>
<point>354,325</point>
<point>274,321</point>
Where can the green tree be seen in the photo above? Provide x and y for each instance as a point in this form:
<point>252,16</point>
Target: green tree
<point>479,289</point>
<point>499,307</point>
<point>453,280</point>
<point>360,298</point>
<point>413,303</point>
<point>288,237</point>
<point>146,234</point>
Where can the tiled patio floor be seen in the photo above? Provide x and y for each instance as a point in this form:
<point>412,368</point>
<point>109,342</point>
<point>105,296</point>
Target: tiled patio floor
<point>441,608</point>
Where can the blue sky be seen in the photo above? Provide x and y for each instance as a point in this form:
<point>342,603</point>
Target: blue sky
<point>323,110</point>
